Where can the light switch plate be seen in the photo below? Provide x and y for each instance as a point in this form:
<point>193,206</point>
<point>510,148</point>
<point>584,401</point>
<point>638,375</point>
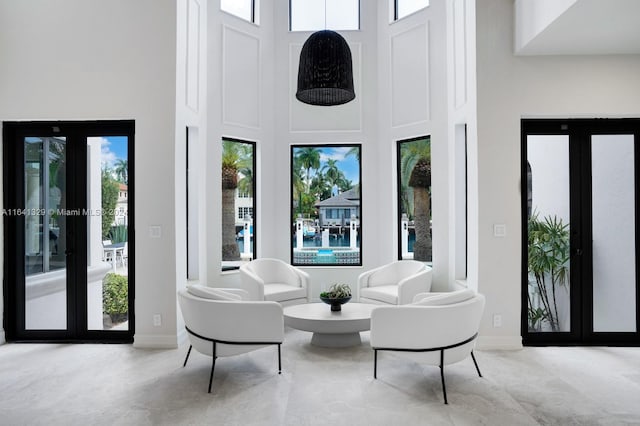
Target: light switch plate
<point>155,231</point>
<point>499,230</point>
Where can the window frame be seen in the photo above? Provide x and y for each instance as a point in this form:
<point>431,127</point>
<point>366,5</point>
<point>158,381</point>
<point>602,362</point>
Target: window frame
<point>399,143</point>
<point>252,18</point>
<point>254,252</point>
<point>395,10</point>
<point>292,214</point>
<point>359,24</point>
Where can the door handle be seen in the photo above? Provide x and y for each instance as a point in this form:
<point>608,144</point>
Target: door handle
<point>578,252</point>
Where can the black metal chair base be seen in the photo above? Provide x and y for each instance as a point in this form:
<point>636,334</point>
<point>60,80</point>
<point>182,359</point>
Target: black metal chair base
<point>214,342</point>
<point>442,349</point>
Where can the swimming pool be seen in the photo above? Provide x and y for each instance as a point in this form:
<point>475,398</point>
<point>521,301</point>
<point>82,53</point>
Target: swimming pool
<point>326,256</point>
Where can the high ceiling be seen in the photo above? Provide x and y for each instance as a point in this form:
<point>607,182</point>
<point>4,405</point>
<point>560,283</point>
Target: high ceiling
<point>587,27</point>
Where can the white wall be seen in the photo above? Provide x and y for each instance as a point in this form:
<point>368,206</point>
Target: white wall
<point>125,65</point>
<point>461,131</point>
<point>240,105</point>
<point>510,88</point>
<point>397,70</point>
<point>412,67</point>
<point>299,123</point>
<point>87,60</point>
<point>190,112</point>
<point>534,16</point>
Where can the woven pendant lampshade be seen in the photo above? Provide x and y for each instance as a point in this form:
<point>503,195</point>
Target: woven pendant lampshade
<point>325,74</point>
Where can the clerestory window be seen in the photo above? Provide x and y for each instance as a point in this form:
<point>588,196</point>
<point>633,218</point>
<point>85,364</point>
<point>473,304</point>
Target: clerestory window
<point>315,15</point>
<point>245,9</point>
<point>402,8</point>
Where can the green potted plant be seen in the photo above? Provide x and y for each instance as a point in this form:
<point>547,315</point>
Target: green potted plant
<point>115,298</point>
<point>337,295</point>
<point>548,263</point>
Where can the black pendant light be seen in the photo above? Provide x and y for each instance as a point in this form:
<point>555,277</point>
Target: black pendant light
<point>325,74</point>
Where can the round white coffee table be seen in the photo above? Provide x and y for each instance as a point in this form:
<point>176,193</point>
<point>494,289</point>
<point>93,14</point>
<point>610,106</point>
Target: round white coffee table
<point>330,329</point>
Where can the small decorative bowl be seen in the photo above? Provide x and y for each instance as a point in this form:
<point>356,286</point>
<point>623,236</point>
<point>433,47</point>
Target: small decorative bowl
<point>335,303</point>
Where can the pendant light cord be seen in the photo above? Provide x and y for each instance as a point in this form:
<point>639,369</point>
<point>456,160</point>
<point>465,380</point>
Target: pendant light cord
<point>325,14</point>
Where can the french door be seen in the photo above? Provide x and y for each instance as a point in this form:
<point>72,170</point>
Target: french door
<point>580,231</point>
<point>68,222</point>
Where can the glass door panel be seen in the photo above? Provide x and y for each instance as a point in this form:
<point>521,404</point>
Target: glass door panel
<point>45,233</point>
<point>108,234</point>
<point>613,225</point>
<point>548,299</point>
<point>580,285</point>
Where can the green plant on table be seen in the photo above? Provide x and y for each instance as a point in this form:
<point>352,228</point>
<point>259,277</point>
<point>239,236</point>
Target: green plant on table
<point>337,291</point>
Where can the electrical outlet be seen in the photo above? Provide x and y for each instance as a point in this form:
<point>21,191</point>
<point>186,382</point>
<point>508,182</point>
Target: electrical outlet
<point>497,320</point>
<point>157,320</point>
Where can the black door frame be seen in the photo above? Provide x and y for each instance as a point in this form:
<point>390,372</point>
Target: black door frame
<point>76,133</point>
<point>579,132</point>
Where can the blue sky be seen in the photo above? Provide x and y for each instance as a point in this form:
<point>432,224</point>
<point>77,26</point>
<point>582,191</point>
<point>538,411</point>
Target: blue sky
<point>113,148</point>
<point>348,164</point>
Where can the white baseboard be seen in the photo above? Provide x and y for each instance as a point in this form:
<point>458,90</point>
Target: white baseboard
<point>2,338</point>
<point>505,343</point>
<point>154,341</point>
<point>182,336</point>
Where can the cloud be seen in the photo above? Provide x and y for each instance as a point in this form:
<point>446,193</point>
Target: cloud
<point>334,154</point>
<point>107,157</point>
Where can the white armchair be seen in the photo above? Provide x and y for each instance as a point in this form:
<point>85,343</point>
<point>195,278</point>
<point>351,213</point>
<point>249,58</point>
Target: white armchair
<point>395,283</point>
<point>220,324</point>
<point>275,280</point>
<point>438,330</point>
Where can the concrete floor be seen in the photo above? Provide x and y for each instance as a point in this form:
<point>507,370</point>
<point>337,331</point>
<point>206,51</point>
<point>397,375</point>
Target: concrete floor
<point>85,384</point>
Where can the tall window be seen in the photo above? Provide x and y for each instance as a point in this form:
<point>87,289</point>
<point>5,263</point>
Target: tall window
<point>460,199</point>
<point>192,202</point>
<point>238,177</point>
<point>402,8</point>
<point>325,205</point>
<point>245,9</point>
<point>314,15</point>
<point>414,199</point>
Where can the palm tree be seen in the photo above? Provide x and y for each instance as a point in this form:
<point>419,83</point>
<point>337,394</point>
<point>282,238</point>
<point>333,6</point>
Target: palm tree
<point>320,187</point>
<point>410,153</point>
<point>245,183</point>
<point>332,173</point>
<point>420,181</point>
<point>345,184</point>
<point>297,182</point>
<point>309,158</point>
<point>231,160</point>
<point>121,169</point>
<point>354,151</point>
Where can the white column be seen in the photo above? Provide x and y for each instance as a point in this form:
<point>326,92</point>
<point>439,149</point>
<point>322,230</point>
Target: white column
<point>353,232</point>
<point>247,235</point>
<point>299,235</point>
<point>405,236</point>
<point>325,238</point>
